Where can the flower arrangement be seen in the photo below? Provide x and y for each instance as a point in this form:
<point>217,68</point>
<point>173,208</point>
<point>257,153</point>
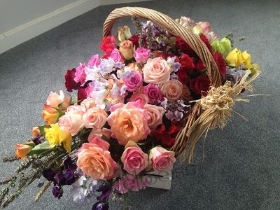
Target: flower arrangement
<point>132,103</point>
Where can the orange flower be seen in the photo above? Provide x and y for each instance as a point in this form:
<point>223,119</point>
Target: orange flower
<point>23,149</point>
<point>49,114</point>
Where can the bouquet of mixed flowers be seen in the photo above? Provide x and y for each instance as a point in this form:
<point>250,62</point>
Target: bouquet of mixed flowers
<point>142,103</point>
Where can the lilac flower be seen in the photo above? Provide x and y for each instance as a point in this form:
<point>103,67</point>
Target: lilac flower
<point>106,66</point>
<point>83,188</point>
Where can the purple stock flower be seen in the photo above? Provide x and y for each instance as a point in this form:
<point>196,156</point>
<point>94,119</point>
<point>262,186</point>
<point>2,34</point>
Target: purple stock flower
<point>100,206</point>
<point>57,191</point>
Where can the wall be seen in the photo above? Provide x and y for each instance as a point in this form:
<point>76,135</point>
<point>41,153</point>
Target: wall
<point>21,20</point>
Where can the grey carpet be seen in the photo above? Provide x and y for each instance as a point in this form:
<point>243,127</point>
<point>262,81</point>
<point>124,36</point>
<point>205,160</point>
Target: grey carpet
<point>241,168</point>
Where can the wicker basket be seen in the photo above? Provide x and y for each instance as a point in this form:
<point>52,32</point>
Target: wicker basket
<point>193,129</point>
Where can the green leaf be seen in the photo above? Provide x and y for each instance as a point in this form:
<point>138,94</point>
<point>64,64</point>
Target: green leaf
<point>40,148</point>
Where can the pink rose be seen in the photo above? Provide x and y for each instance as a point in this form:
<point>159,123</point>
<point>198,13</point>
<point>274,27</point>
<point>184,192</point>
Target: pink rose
<point>95,160</point>
<point>94,60</point>
<point>126,49</point>
<point>133,81</point>
<point>116,55</point>
<point>134,159</point>
<point>72,121</point>
<point>129,122</point>
<point>172,90</point>
<point>142,54</point>
<point>80,75</point>
<point>156,71</point>
<point>104,132</point>
<point>154,93</point>
<point>129,182</point>
<point>143,98</point>
<point>161,159</point>
<point>155,115</point>
<point>94,118</point>
<point>59,101</point>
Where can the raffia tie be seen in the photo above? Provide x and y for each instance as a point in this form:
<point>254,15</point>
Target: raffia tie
<point>217,108</point>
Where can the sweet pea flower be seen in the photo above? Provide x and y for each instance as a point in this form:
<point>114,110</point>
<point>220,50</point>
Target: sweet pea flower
<point>80,75</point>
<point>94,60</point>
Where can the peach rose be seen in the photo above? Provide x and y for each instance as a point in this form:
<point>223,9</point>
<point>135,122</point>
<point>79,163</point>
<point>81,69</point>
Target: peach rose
<point>155,115</point>
<point>49,114</point>
<point>35,131</point>
<point>129,122</point>
<point>172,90</point>
<point>126,49</point>
<point>23,149</point>
<point>134,159</point>
<point>94,118</point>
<point>72,121</point>
<point>156,71</point>
<point>161,159</point>
<point>95,160</point>
<point>139,96</point>
<point>59,101</point>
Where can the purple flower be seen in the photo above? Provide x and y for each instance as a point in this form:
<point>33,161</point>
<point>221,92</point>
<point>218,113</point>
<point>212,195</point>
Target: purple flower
<point>57,191</point>
<point>134,81</point>
<point>100,206</point>
<point>154,94</point>
<point>83,188</point>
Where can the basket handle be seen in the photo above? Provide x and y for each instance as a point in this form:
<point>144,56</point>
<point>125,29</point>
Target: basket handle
<point>174,28</point>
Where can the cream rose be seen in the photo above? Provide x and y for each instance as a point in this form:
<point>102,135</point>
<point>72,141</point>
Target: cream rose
<point>94,118</point>
<point>156,71</point>
<point>172,90</point>
<point>58,100</point>
<point>72,121</point>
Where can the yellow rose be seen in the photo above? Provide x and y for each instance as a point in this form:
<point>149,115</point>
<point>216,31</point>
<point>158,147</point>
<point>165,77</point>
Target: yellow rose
<point>56,137</point>
<point>123,33</point>
<point>246,60</point>
<point>126,49</point>
<point>234,58</point>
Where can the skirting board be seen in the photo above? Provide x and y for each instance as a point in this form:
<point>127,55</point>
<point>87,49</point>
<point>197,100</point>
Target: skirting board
<point>44,23</point>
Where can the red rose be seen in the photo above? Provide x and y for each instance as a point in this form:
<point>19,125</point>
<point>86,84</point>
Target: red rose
<point>166,136</point>
<point>184,47</point>
<point>135,40</point>
<point>198,65</point>
<point>200,84</point>
<point>206,41</point>
<point>183,76</point>
<point>70,83</point>
<point>218,57</point>
<point>186,62</point>
<point>107,45</point>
